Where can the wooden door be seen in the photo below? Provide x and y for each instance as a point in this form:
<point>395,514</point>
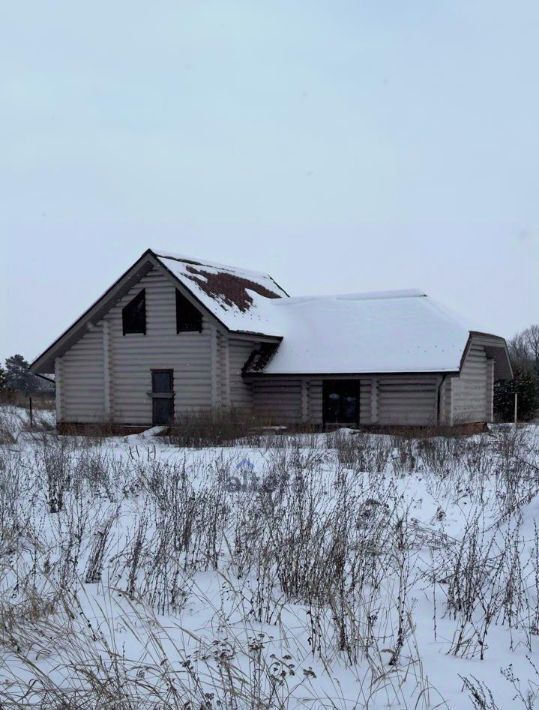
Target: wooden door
<point>341,402</point>
<point>162,397</point>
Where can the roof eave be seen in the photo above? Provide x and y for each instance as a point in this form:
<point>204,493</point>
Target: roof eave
<point>497,350</point>
<point>44,363</point>
<point>362,373</point>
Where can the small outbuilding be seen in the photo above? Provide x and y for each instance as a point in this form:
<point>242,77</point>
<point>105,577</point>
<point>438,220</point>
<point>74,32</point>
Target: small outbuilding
<point>175,335</point>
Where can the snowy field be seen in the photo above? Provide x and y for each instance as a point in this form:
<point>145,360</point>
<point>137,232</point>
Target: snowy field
<point>316,571</point>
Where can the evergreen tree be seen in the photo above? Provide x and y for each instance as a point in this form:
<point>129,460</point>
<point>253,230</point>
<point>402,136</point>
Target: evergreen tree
<point>524,385</point>
<point>18,376</point>
<point>524,354</point>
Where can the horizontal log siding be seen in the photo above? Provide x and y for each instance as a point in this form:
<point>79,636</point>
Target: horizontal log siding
<point>278,399</point>
<point>399,400</point>
<point>315,401</point>
<point>445,401</point>
<point>58,379</point>
<point>409,400</point>
<point>222,374</point>
<point>133,356</point>
<point>490,390</point>
<point>82,388</point>
<point>241,396</point>
<point>469,390</point>
<point>365,390</point>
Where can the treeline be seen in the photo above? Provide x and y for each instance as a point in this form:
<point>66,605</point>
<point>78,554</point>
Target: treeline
<point>15,376</point>
<point>524,354</point>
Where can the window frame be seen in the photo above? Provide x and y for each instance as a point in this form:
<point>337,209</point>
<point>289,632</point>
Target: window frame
<point>194,325</point>
<point>126,330</point>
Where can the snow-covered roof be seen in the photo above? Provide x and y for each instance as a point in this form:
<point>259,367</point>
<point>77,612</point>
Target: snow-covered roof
<point>379,332</point>
<point>376,332</point>
<point>382,332</point>
<point>236,297</point>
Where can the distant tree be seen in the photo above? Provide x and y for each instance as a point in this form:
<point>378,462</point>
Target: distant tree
<point>524,384</point>
<point>524,354</point>
<point>531,337</point>
<point>18,376</point>
<point>2,378</point>
<point>518,350</point>
<point>524,348</point>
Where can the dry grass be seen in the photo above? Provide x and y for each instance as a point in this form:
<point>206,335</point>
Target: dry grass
<point>98,548</point>
<point>227,427</point>
<point>40,400</point>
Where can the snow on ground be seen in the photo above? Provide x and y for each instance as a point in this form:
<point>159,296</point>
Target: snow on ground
<point>15,421</point>
<point>327,570</point>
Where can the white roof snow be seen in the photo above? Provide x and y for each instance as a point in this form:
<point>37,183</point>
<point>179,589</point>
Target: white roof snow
<point>378,332</point>
<point>390,332</point>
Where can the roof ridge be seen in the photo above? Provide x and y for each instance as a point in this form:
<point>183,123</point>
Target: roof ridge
<point>379,295</point>
<point>194,261</point>
<point>362,296</point>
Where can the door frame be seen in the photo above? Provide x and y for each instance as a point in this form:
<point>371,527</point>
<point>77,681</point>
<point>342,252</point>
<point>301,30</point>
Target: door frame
<point>163,395</point>
<point>352,382</point>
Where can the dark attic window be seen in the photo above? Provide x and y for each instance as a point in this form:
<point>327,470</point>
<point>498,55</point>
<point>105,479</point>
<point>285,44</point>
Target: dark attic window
<point>188,317</point>
<point>134,314</point>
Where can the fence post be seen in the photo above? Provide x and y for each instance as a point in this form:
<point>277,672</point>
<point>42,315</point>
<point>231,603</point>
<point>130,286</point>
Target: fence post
<point>516,408</point>
<point>31,412</point>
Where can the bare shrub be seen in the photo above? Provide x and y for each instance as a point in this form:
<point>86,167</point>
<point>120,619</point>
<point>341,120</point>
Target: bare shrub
<point>526,697</point>
<point>6,433</point>
<point>480,694</point>
<point>363,452</point>
<point>213,428</point>
<point>96,558</point>
<point>56,460</point>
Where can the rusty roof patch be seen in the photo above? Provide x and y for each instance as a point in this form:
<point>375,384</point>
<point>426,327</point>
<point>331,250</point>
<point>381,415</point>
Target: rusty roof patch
<point>228,288</point>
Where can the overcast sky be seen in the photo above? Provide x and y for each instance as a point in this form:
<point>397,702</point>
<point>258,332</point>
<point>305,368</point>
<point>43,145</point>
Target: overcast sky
<point>340,146</point>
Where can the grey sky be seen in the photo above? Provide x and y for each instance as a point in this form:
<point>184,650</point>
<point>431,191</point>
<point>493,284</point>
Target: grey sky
<point>341,146</point>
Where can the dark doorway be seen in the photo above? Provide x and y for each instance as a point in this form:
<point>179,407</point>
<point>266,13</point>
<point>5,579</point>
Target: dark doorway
<point>341,402</point>
<point>162,397</point>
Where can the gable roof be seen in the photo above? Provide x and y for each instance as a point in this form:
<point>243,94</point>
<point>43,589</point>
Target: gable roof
<point>380,332</point>
<point>238,298</point>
